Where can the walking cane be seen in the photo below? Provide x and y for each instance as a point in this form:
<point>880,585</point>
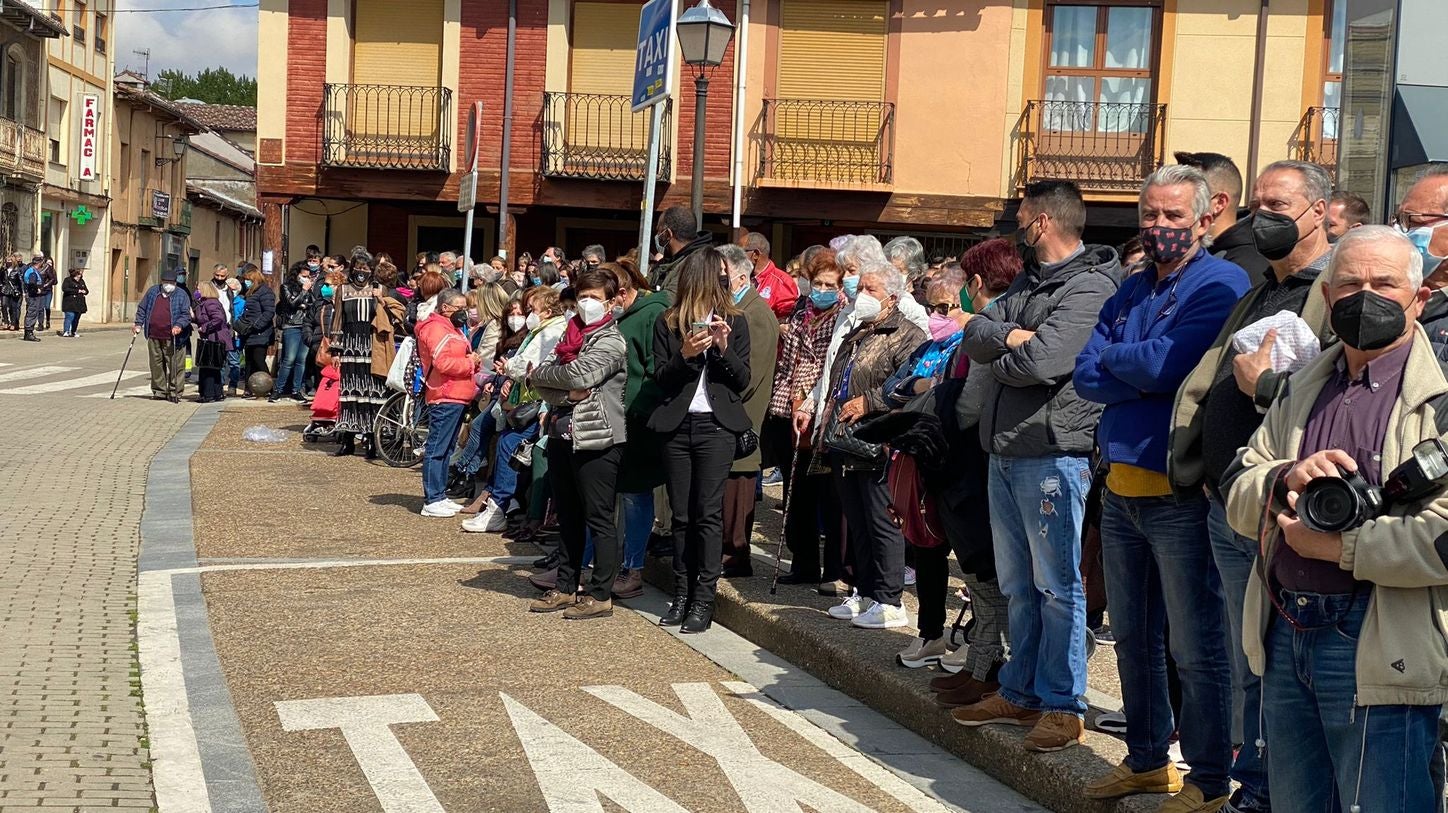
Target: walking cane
<point>123,365</point>
<point>788,495</point>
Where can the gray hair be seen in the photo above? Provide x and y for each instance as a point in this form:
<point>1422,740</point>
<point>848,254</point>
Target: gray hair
<point>861,250</point>
<point>950,278</point>
<point>894,281</point>
<point>1432,171</point>
<point>448,255</point>
<point>447,296</point>
<point>1181,175</point>
<point>1315,180</point>
<point>910,254</point>
<point>595,250</point>
<point>735,260</point>
<point>1378,234</point>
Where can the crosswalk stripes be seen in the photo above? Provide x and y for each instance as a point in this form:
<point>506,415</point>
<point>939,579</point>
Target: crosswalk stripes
<point>33,372</point>
<point>125,392</point>
<point>71,383</point>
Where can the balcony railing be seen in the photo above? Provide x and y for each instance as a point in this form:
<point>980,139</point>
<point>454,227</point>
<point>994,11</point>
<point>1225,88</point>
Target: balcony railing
<point>593,135</point>
<point>828,142</point>
<point>1315,138</point>
<point>23,150</point>
<point>386,127</point>
<point>1100,146</point>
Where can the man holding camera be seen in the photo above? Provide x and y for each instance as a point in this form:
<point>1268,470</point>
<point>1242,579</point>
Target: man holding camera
<point>1342,608</point>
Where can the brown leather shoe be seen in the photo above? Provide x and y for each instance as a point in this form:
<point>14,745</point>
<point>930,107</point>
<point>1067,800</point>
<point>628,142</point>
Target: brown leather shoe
<point>995,709</point>
<point>1122,781</point>
<point>551,602</point>
<point>1057,731</point>
<point>629,584</point>
<point>949,681</point>
<point>589,607</point>
<point>970,692</point>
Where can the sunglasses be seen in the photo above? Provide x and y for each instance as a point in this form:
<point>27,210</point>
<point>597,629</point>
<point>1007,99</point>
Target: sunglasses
<point>943,308</point>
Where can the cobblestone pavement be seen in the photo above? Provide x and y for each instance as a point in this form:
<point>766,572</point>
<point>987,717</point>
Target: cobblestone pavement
<point>71,488</point>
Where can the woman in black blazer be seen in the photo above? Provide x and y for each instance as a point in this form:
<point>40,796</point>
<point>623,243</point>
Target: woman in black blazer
<point>701,363</point>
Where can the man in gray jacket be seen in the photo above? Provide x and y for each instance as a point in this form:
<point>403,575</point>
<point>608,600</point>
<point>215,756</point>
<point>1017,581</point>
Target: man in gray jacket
<point>1039,434</point>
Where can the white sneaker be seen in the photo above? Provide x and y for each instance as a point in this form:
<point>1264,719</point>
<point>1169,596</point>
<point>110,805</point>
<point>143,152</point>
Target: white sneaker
<point>882,617</point>
<point>909,576</point>
<point>953,662</point>
<point>492,520</point>
<point>921,652</point>
<point>441,509</point>
<point>852,606</point>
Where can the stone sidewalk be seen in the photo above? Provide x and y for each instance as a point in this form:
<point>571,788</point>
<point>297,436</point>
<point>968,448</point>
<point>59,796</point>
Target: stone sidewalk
<point>73,482</point>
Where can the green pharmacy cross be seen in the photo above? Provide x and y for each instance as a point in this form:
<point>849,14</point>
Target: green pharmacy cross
<point>81,215</point>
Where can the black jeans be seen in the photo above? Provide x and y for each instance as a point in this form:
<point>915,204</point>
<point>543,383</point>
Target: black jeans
<point>255,359</point>
<point>697,458</point>
<point>876,545</point>
<point>585,488</point>
<point>807,496</point>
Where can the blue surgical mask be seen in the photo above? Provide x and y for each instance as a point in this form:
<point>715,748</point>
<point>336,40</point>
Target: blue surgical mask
<point>851,286</point>
<point>1421,237</point>
<point>739,294</point>
<point>537,280</point>
<point>824,300</point>
<point>327,291</point>
<point>245,284</point>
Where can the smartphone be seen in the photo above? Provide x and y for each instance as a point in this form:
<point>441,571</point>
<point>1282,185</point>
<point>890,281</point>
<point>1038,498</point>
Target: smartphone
<point>698,326</point>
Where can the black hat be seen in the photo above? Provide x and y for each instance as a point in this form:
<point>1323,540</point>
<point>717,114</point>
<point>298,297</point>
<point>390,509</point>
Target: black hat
<point>168,276</point>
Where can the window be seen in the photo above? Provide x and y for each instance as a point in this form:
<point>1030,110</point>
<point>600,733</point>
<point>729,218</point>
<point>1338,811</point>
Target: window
<point>217,240</point>
<point>58,131</point>
<point>146,172</point>
<point>1099,65</point>
<point>1332,73</point>
<point>101,31</point>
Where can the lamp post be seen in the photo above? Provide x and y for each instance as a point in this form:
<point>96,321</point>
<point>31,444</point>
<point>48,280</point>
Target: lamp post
<point>704,34</point>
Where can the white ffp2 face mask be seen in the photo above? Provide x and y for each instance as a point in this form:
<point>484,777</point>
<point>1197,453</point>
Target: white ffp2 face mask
<point>867,308</point>
<point>533,321</point>
<point>517,323</point>
<point>591,310</point>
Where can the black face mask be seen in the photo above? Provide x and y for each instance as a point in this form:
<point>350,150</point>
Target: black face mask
<point>1368,321</point>
<point>359,278</point>
<point>1275,234</point>
<point>459,318</point>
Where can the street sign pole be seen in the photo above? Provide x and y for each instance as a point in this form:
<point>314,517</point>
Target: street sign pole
<point>652,86</point>
<point>468,189</point>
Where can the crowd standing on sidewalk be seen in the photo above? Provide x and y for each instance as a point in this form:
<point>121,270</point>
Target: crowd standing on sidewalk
<point>1216,448</point>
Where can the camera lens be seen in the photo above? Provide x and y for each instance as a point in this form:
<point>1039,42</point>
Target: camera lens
<point>1331,505</point>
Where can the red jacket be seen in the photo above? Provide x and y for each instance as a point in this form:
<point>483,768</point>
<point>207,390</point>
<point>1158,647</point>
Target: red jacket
<point>778,289</point>
<point>447,365</point>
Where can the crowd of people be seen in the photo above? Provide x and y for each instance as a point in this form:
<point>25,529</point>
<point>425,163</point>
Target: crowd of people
<point>1115,442</point>
<point>27,292</point>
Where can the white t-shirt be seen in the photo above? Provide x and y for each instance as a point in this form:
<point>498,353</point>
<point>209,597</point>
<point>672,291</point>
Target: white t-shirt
<point>700,402</point>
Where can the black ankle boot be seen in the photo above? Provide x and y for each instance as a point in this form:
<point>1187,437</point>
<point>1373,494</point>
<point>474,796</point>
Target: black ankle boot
<point>347,447</point>
<point>369,446</point>
<point>701,616</point>
<point>680,608</point>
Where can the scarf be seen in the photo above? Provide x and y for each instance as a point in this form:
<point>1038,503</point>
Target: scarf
<point>571,344</point>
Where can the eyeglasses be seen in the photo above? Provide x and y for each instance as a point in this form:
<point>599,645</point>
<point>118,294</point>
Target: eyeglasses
<point>1406,220</point>
<point>943,308</point>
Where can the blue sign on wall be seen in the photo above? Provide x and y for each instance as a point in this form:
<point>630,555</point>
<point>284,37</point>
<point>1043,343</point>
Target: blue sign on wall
<point>654,61</point>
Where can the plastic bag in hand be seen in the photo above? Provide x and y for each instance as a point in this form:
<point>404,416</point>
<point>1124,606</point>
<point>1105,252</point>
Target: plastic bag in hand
<point>1296,344</point>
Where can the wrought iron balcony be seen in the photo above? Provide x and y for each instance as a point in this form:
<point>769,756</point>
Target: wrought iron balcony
<point>1099,146</point>
<point>828,142</point>
<point>598,136</point>
<point>386,127</point>
<point>23,150</point>
<point>1315,138</point>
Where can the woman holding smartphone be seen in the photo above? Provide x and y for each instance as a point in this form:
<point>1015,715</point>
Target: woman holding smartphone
<point>701,364</point>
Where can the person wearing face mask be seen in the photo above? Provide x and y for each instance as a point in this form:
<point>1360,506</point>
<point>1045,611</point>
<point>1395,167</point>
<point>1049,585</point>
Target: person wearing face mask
<point>448,365</point>
<point>295,316</point>
<point>1423,217</point>
<point>1232,238</point>
<point>1039,433</point>
<point>882,340</point>
<point>583,381</point>
<point>256,327</point>
<point>366,320</point>
<point>926,366</point>
<point>164,314</point>
<point>739,489</point>
<point>1345,629</point>
<point>1156,552</point>
<point>676,238</point>
<point>804,340</point>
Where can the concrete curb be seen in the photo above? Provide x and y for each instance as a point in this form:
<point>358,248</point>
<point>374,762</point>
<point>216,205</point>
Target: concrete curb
<point>834,655</point>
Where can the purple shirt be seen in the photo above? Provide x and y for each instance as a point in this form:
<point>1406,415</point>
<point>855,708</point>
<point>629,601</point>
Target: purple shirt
<point>1350,414</point>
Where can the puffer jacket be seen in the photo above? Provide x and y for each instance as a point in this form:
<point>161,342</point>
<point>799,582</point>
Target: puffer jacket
<point>446,364</point>
<point>1402,650</point>
<point>872,353</point>
<point>1031,408</point>
<point>601,368</point>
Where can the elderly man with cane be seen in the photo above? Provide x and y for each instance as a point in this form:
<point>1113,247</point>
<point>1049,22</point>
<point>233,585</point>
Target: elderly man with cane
<point>165,316</point>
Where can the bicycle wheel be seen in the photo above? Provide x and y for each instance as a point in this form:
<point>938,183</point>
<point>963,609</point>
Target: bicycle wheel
<point>399,440</point>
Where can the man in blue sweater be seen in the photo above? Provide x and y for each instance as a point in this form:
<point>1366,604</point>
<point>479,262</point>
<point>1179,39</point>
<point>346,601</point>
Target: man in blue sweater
<point>1156,552</point>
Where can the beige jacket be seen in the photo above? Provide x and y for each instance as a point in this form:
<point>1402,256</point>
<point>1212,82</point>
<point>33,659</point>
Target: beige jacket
<point>1402,652</point>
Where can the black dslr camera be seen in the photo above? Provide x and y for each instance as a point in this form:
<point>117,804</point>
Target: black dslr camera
<point>1332,505</point>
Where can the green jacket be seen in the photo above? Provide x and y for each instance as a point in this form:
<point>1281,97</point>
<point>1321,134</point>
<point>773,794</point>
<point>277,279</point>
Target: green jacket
<point>763,350</point>
<point>643,466</point>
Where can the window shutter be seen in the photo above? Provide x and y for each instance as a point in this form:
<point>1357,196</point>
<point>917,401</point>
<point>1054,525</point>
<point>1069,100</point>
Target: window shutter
<point>398,43</point>
<point>604,40</point>
<point>833,49</point>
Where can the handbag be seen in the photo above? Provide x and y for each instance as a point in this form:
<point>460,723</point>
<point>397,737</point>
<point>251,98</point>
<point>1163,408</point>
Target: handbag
<point>745,443</point>
<point>840,437</point>
<point>524,415</point>
<point>397,373</point>
<point>210,355</point>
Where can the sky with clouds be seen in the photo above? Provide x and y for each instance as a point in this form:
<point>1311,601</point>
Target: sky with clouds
<point>186,40</point>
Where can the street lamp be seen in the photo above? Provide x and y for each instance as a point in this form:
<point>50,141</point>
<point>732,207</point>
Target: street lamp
<point>704,34</point>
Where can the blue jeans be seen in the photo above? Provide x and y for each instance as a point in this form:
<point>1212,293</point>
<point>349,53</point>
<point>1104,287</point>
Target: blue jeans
<point>443,420</point>
<point>474,453</point>
<point>72,321</point>
<point>293,363</point>
<point>1234,555</point>
<point>1159,571</point>
<point>505,477</point>
<point>1313,718</point>
<point>1037,505</point>
<point>233,367</point>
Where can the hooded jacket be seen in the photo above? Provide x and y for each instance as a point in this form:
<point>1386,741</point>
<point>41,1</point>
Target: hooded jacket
<point>602,369</point>
<point>1030,406</point>
<point>1402,650</point>
<point>666,276</point>
<point>643,464</point>
<point>1237,245</point>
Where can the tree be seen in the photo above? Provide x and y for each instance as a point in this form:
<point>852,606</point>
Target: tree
<point>213,86</point>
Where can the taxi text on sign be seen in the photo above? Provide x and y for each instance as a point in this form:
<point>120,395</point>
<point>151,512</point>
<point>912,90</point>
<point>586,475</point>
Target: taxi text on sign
<point>90,118</point>
<point>654,61</point>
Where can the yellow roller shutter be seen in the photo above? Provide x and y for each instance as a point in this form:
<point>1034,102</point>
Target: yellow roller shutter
<point>833,49</point>
<point>602,65</point>
<point>398,43</point>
